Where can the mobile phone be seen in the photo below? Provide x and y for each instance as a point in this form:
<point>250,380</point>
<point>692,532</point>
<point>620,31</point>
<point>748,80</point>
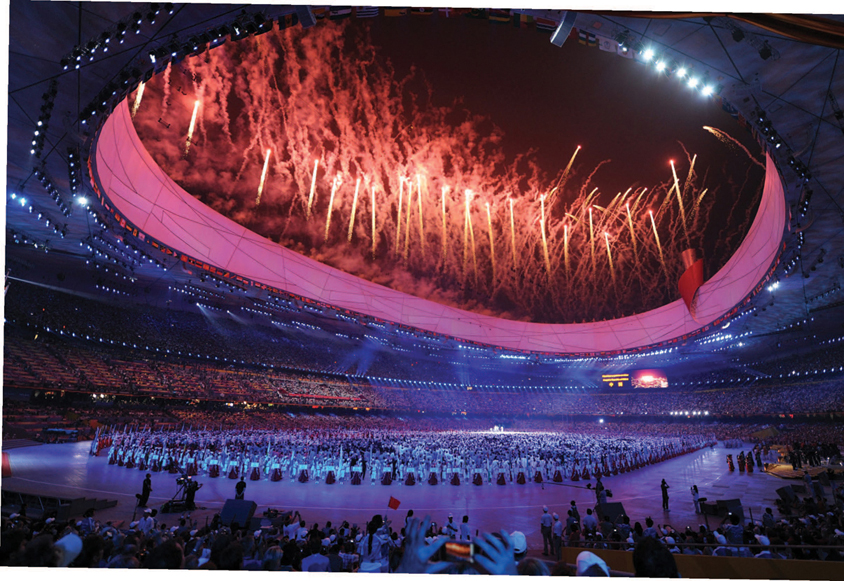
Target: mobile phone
<point>459,551</point>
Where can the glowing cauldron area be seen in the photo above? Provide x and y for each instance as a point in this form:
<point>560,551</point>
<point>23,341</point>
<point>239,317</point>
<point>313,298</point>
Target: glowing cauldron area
<point>313,140</point>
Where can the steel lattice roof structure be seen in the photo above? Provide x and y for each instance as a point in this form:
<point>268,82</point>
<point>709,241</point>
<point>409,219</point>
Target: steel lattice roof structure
<point>782,76</point>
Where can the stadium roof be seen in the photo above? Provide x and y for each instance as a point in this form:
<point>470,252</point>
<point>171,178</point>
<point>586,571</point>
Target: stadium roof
<point>786,67</point>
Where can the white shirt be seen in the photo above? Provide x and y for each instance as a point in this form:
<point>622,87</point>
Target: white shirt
<point>465,532</point>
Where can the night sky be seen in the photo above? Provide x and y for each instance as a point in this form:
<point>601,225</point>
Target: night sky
<point>555,98</point>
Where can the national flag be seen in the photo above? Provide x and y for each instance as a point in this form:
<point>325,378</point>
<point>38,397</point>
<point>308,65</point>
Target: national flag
<point>288,21</point>
<point>546,25</point>
<point>587,38</point>
<point>522,20</point>
<point>394,503</point>
<point>393,12</point>
<point>498,15</point>
<point>421,11</point>
<point>366,11</point>
<point>691,279</point>
<point>319,12</point>
<point>340,12</point>
<point>477,13</point>
<point>607,44</point>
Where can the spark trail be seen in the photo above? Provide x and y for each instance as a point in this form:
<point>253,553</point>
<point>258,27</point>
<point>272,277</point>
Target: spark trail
<point>491,239</point>
<point>313,189</point>
<point>335,184</point>
<point>354,208</point>
<point>730,141</point>
<point>445,232</point>
<point>513,234</point>
<point>138,96</point>
<point>263,176</point>
<point>192,125</point>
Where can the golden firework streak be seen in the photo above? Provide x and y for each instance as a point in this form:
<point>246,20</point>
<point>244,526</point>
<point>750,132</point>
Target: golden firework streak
<point>491,242</point>
<point>138,97</point>
<point>591,241</point>
<point>544,239</point>
<point>632,234</point>
<point>679,200</point>
<point>409,210</point>
<point>313,188</point>
<point>354,208</point>
<point>466,232</point>
<point>727,139</point>
<point>566,246</point>
<point>609,256</point>
<point>334,185</point>
<point>263,176</point>
<point>191,127</point>
<point>373,221</point>
<point>398,217</point>
<point>564,177</point>
<point>419,199</point>
<point>690,176</point>
<point>513,234</point>
<point>658,245</point>
<point>445,239</point>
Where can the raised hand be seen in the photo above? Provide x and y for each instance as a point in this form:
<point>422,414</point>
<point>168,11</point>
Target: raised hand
<point>417,553</point>
<point>498,554</point>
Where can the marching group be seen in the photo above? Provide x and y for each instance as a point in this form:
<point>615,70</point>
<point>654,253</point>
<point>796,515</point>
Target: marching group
<point>328,455</point>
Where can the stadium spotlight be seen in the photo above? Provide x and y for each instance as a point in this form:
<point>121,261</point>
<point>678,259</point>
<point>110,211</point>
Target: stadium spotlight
<point>707,90</point>
<point>82,201</point>
<point>681,72</point>
<point>649,54</point>
<point>660,66</point>
<point>693,82</point>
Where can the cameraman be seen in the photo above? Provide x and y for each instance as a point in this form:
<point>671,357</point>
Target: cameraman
<point>191,487</point>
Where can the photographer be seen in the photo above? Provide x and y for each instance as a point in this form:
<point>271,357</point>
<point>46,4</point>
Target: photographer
<point>191,487</point>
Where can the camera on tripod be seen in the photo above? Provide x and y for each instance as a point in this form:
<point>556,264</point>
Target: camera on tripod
<point>186,488</point>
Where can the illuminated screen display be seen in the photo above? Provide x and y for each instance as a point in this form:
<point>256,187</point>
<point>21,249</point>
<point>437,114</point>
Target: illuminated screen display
<point>616,380</point>
<point>649,379</point>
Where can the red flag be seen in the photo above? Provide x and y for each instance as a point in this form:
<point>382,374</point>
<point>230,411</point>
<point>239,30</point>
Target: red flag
<point>692,278</point>
<point>394,503</point>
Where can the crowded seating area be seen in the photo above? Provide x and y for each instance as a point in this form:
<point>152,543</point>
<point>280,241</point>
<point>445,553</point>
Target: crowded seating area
<point>65,364</point>
<point>291,541</point>
<point>78,333</point>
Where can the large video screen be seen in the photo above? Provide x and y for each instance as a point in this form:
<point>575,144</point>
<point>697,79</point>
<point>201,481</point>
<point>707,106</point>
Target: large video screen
<point>649,379</point>
<point>642,379</point>
<point>616,379</point>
